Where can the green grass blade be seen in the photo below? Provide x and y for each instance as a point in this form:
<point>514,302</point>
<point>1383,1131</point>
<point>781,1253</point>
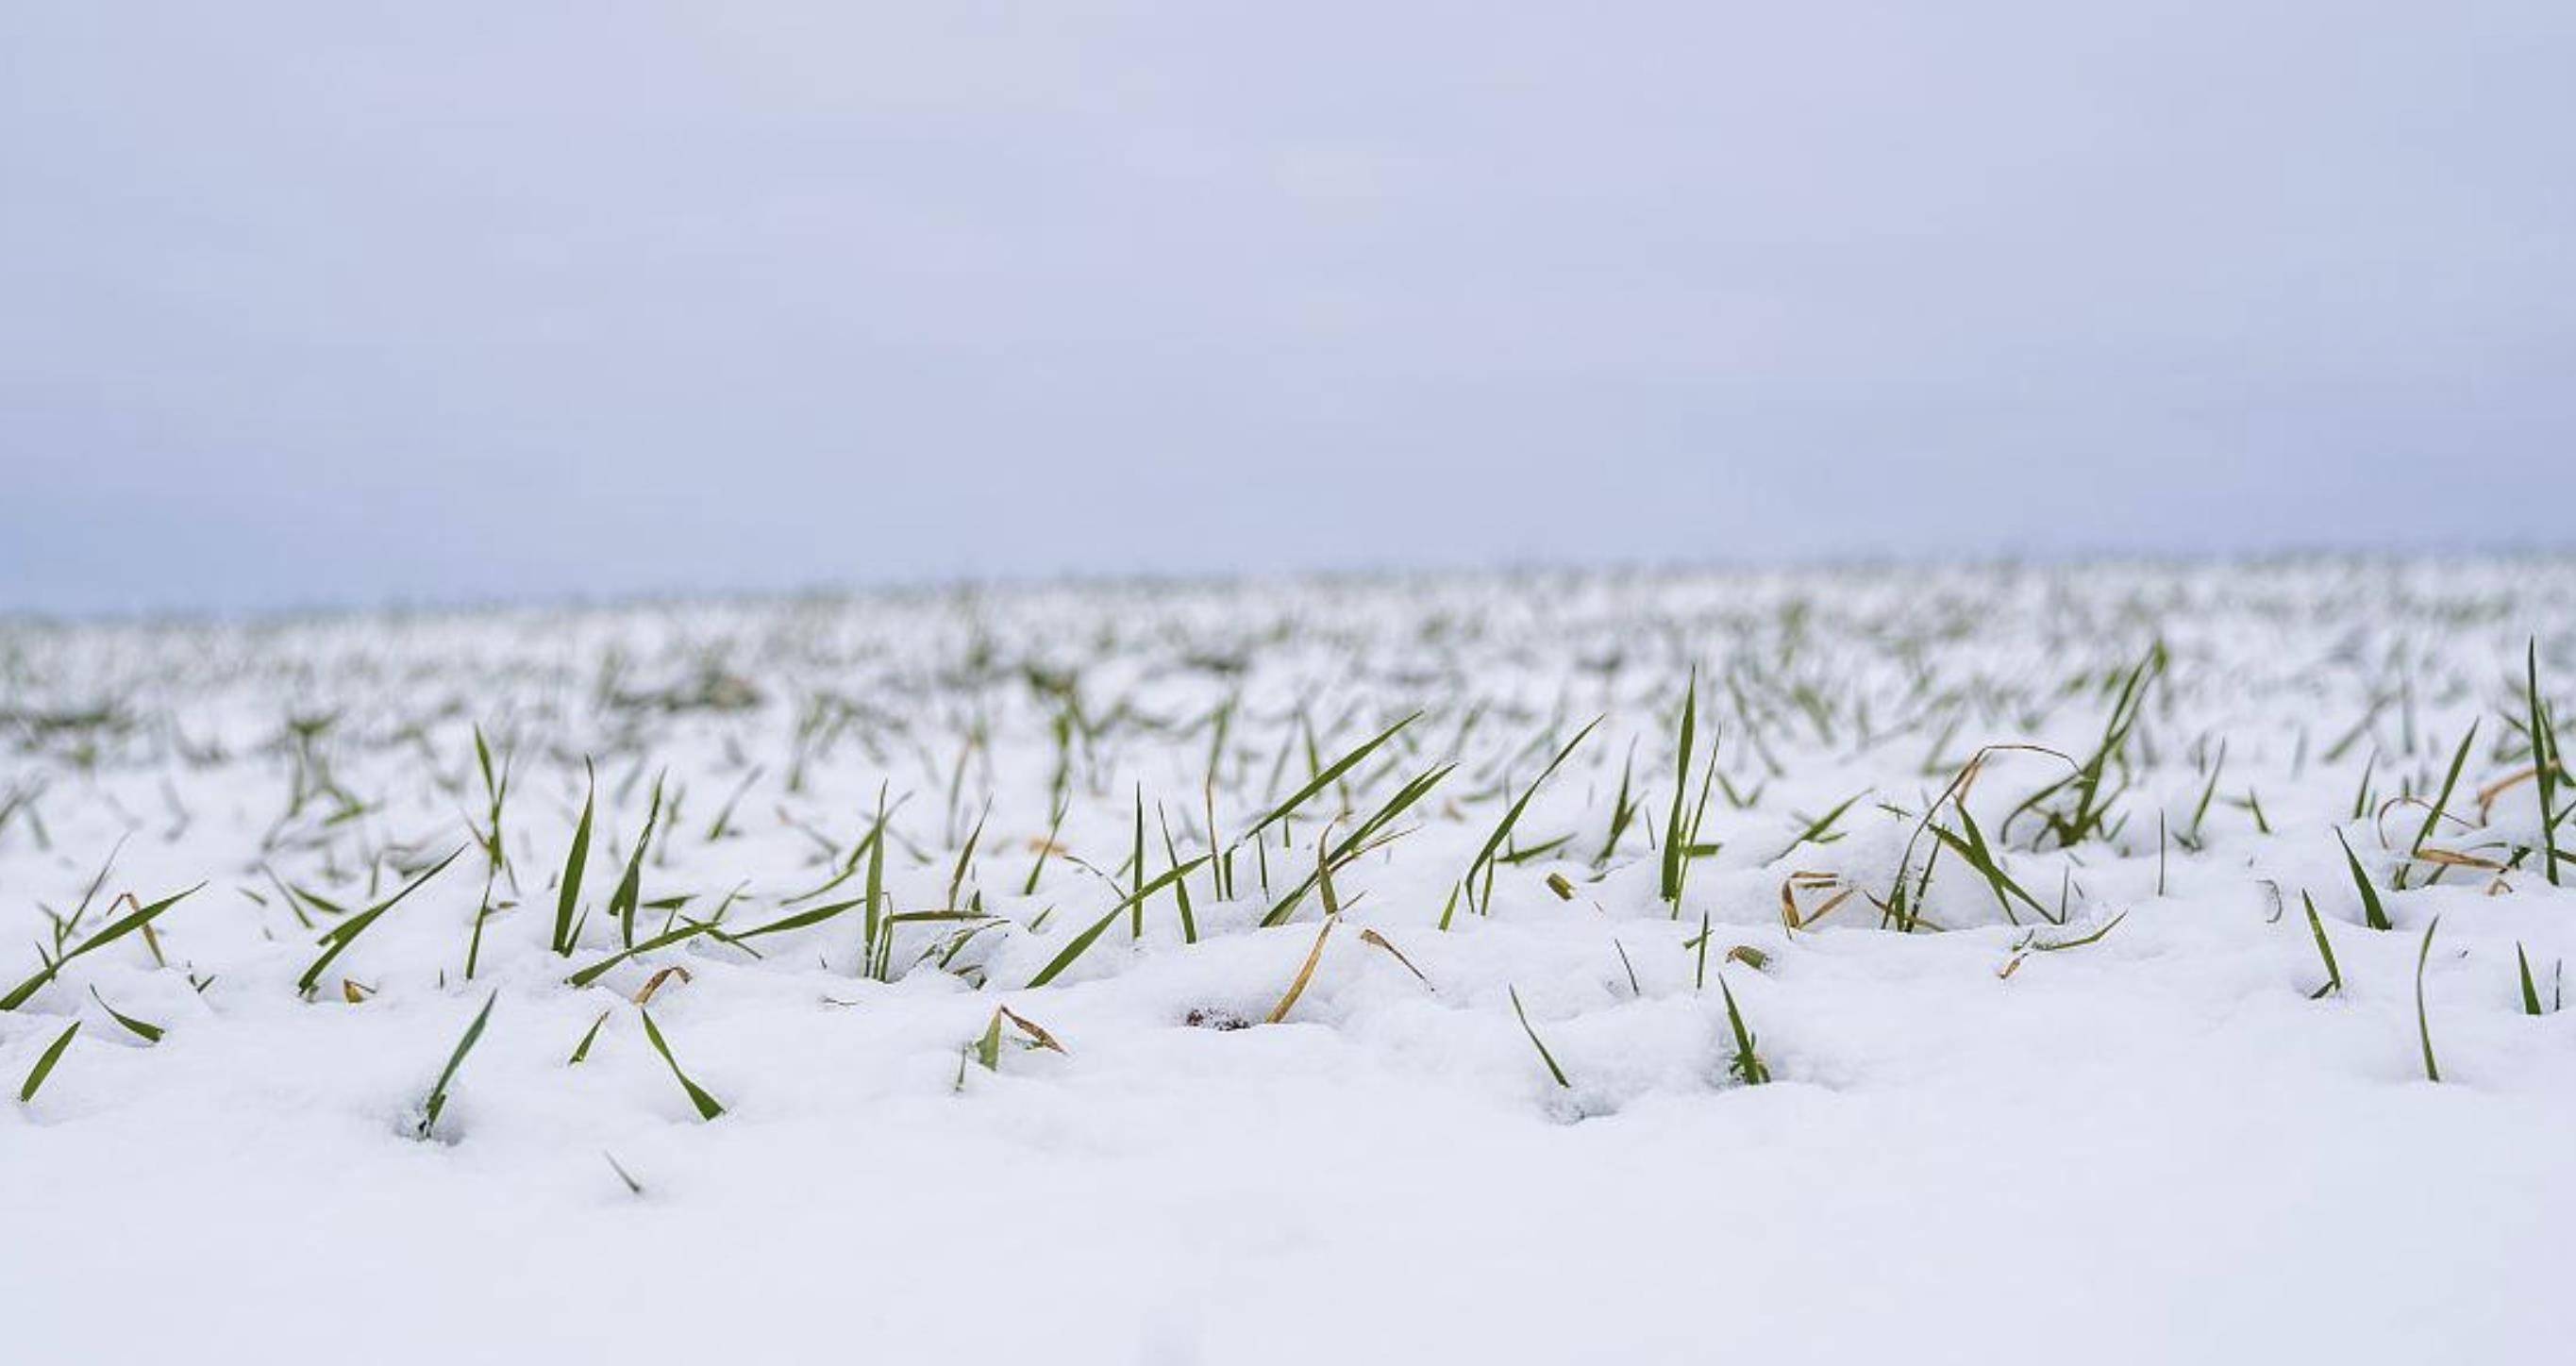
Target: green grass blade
<point>2325,949</point>
<point>2423,1021</point>
<point>437,1101</point>
<point>1535,1042</point>
<point>597,970</point>
<point>151,1033</point>
<point>588,1036</point>
<point>1747,1065</point>
<point>2373,914</point>
<point>568,892</point>
<point>113,931</point>
<point>338,938</point>
<point>1084,940</point>
<point>1323,779</point>
<point>708,1106</point>
<point>45,1064</point>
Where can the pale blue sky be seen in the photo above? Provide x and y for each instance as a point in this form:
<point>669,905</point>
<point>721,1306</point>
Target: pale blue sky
<point>322,302</point>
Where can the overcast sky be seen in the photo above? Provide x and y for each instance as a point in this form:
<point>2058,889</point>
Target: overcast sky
<point>339,302</point>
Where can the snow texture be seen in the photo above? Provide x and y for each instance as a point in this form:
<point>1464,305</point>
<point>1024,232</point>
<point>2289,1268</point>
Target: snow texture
<point>1987,1134</point>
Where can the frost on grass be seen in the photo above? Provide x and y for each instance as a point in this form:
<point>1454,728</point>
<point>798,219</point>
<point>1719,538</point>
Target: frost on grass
<point>1074,878</point>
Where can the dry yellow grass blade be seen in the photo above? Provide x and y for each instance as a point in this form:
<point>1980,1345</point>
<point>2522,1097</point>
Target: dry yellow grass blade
<point>2447,858</point>
<point>352,992</point>
<point>2487,795</point>
<point>1373,937</point>
<point>1791,917</point>
<point>644,995</point>
<point>1304,974</point>
<point>1828,908</point>
<point>1037,1032</point>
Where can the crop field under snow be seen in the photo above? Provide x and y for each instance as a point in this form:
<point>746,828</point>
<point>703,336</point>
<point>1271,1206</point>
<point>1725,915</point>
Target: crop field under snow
<point>2098,963</point>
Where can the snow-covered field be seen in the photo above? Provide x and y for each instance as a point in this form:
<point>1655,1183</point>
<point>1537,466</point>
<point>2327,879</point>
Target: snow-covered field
<point>1821,1039</point>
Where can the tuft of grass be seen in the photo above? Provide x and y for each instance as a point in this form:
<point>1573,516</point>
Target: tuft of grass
<point>1981,858</point>
<point>437,1100</point>
<point>1082,942</point>
<point>1371,833</point>
<point>1677,835</point>
<point>336,940</point>
<point>1483,863</point>
<point>1323,778</point>
<point>140,918</point>
<point>2077,807</point>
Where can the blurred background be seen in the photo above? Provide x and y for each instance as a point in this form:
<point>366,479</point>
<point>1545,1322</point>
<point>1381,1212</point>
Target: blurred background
<point>317,303</point>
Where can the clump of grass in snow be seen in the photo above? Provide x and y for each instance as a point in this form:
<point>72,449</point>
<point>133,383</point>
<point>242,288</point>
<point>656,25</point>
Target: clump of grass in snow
<point>338,938</point>
<point>1680,835</point>
<point>1082,942</point>
<point>1483,863</point>
<point>140,918</point>
<point>2075,808</point>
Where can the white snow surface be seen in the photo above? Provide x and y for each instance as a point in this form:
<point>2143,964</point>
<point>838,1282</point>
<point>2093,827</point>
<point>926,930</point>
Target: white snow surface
<point>2154,1146</point>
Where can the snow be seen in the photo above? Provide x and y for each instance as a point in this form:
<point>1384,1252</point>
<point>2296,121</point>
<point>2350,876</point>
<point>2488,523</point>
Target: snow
<point>2153,1146</point>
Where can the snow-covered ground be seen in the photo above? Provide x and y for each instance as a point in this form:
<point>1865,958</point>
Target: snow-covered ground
<point>2094,1100</point>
